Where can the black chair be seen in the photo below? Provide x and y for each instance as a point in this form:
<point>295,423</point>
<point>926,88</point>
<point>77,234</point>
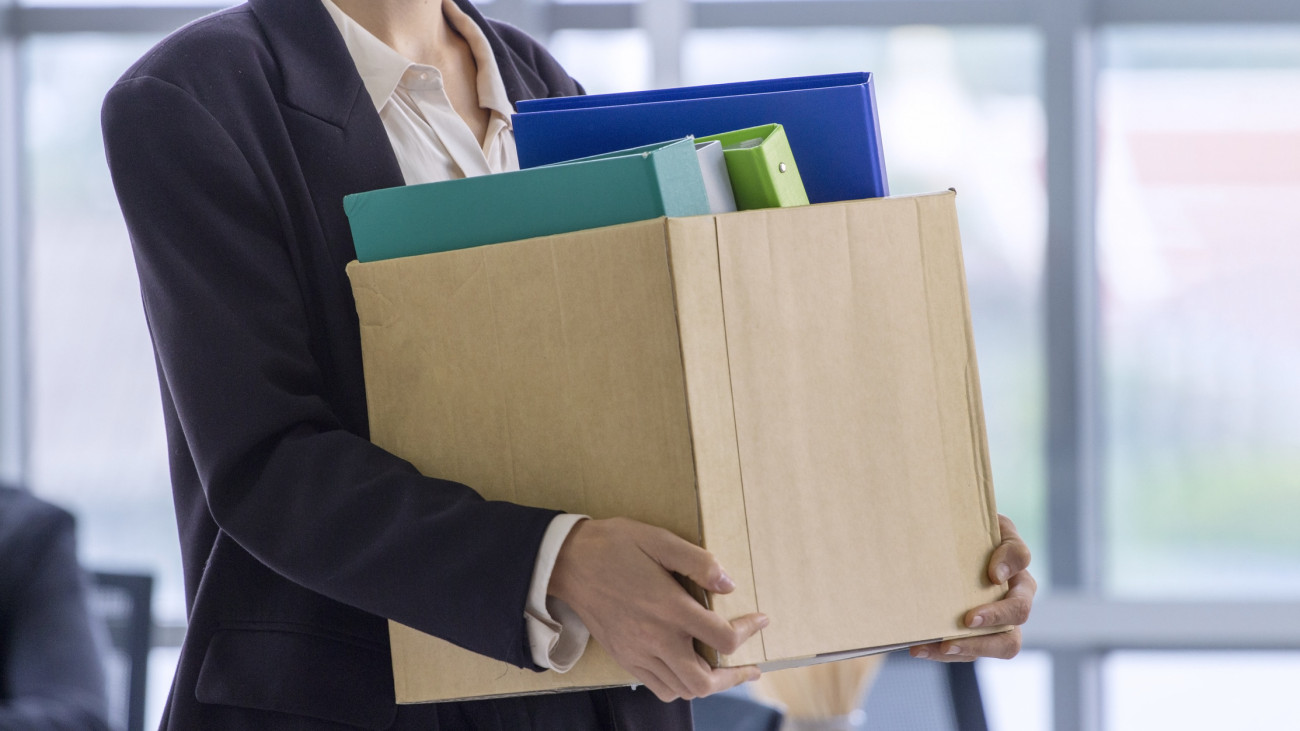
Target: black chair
<point>123,603</point>
<point>923,695</point>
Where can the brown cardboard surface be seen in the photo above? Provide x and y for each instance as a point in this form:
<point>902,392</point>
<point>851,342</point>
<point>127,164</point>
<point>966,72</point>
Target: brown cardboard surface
<point>795,389</point>
<point>848,341</point>
<point>546,373</point>
<point>693,253</point>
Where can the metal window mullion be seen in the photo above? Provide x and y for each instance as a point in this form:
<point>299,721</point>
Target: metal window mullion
<point>1114,12</point>
<point>542,16</point>
<point>879,13</point>
<point>1077,623</point>
<point>13,301</point>
<point>1069,103</point>
<point>1073,491</point>
<point>1076,690</point>
<point>665,22</point>
<point>28,20</point>
<point>591,16</point>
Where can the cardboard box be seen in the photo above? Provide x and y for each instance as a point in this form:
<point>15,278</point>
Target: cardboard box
<point>794,389</point>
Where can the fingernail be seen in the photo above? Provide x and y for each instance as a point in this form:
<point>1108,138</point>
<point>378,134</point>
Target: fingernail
<point>763,621</point>
<point>954,650</point>
<point>977,620</point>
<point>724,583</point>
<point>1003,572</point>
<point>923,653</point>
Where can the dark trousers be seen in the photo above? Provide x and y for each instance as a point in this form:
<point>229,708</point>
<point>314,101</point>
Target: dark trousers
<point>618,709</point>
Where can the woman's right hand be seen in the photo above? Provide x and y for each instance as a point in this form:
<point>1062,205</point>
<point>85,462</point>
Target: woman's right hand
<point>617,574</point>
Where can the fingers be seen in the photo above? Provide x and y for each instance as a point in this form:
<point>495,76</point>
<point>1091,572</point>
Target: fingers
<point>1008,563</point>
<point>699,679</point>
<point>617,574</point>
<point>693,673</point>
<point>694,678</point>
<point>924,652</point>
<point>726,678</point>
<point>1014,608</point>
<point>1003,646</point>
<point>1012,554</point>
<point>688,559</point>
<point>651,679</point>
<point>743,628</point>
<point>678,670</point>
<point>680,687</point>
<point>723,636</point>
<point>676,554</point>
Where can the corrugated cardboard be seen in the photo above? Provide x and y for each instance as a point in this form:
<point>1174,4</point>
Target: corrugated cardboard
<point>794,389</point>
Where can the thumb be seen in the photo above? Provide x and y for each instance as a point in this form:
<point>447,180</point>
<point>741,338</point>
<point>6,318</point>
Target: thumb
<point>689,560</point>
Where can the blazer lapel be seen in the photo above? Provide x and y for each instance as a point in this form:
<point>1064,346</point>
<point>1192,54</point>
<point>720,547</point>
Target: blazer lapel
<point>319,76</point>
<point>341,145</point>
<point>339,141</point>
<point>521,81</point>
<point>311,53</point>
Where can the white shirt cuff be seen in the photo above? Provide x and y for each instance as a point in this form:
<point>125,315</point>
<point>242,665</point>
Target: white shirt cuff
<point>556,636</point>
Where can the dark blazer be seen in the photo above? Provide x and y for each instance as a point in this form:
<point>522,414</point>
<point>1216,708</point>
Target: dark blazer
<point>50,673</point>
<point>231,145</point>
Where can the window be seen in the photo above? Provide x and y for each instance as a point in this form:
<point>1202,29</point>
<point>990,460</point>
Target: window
<point>604,61</point>
<point>1199,690</point>
<point>96,438</point>
<point>1196,171</point>
<point>1197,232</point>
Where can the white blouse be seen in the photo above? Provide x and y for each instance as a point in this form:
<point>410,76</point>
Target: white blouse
<point>433,143</point>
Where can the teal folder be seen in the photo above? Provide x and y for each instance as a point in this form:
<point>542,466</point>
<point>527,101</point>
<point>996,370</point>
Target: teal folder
<point>634,185</point>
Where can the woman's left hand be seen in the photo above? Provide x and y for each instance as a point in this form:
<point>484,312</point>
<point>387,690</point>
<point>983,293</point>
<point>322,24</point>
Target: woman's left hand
<point>1009,563</point>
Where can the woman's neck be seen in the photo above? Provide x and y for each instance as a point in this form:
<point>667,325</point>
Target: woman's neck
<point>416,29</point>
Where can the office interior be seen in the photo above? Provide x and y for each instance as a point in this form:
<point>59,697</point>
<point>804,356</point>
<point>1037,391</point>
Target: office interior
<point>1127,175</point>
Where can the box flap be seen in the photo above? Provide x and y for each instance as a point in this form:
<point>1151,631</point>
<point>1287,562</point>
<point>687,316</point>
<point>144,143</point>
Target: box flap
<point>833,312</point>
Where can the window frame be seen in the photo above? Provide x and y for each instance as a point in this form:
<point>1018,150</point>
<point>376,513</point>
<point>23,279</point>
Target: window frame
<point>1076,623</point>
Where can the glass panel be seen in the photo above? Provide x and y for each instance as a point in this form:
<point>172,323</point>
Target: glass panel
<point>958,108</point>
<point>604,61</point>
<point>1199,176</point>
<point>162,667</point>
<point>97,442</point>
<point>1017,693</point>
<point>1195,691</point>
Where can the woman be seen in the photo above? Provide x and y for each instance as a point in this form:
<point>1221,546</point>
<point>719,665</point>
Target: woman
<point>232,145</point>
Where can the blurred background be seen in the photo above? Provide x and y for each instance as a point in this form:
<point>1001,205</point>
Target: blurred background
<point>1129,192</point>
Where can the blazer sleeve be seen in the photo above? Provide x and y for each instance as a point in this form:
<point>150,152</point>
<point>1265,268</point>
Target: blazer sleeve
<point>281,475</point>
<point>52,677</point>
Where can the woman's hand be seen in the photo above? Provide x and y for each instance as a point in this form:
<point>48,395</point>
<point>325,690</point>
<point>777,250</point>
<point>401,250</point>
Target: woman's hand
<point>1009,563</point>
<point>618,576</point>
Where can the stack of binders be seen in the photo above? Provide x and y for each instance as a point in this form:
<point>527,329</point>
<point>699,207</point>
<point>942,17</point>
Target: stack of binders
<point>602,160</point>
<point>830,120</point>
